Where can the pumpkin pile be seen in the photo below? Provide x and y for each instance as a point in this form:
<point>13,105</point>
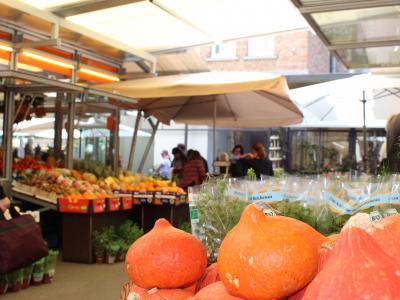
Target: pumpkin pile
<point>266,257</point>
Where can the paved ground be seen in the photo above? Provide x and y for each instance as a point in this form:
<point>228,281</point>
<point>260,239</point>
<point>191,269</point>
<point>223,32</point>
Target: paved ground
<point>78,282</point>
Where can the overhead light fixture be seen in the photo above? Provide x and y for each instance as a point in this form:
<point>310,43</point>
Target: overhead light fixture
<point>48,60</point>
<point>22,66</point>
<point>6,48</point>
<point>98,74</point>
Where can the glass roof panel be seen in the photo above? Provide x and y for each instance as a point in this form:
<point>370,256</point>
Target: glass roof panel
<point>360,25</point>
<point>142,25</point>
<point>376,57</point>
<point>50,3</point>
<point>322,2</point>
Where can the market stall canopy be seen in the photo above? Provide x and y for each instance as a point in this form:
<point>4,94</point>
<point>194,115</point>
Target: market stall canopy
<point>242,99</point>
<point>361,33</point>
<point>338,103</point>
<point>141,28</point>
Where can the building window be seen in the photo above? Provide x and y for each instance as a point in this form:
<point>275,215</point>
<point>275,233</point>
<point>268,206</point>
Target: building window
<point>225,50</point>
<point>261,47</point>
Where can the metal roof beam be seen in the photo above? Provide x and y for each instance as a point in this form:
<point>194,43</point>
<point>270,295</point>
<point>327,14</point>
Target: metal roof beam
<point>54,19</point>
<point>367,44</point>
<point>89,6</point>
<point>319,8</point>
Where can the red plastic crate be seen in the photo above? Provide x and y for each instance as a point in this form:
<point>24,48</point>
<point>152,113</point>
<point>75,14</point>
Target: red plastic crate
<point>113,203</point>
<point>126,201</point>
<point>80,206</point>
<point>98,205</point>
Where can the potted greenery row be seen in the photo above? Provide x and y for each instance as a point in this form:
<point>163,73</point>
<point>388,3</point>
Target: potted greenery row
<point>38,272</point>
<point>27,276</point>
<point>15,280</point>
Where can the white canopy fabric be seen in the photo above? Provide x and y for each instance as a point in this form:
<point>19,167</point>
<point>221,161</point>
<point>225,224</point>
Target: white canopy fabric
<point>337,103</point>
<point>161,25</point>
<point>241,99</point>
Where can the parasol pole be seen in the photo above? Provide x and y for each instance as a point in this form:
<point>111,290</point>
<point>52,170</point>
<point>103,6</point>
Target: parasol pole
<point>364,101</point>
<point>134,139</point>
<point>214,133</point>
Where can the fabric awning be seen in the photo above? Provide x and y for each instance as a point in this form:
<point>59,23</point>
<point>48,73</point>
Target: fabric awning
<point>241,99</point>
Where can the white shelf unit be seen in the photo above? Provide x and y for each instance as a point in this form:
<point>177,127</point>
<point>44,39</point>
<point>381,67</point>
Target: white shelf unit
<point>275,151</point>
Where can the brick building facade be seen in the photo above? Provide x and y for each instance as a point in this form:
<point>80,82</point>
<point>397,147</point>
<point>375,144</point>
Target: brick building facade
<point>299,52</point>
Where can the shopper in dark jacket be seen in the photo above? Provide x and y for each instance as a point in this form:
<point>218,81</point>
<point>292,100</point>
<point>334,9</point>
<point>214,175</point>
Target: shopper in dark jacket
<point>259,161</point>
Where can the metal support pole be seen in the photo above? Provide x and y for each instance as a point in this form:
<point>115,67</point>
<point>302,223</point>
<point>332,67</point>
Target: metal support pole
<point>8,121</point>
<point>149,143</point>
<point>214,152</point>
<point>134,139</point>
<point>70,130</point>
<point>8,133</point>
<point>186,138</point>
<point>364,101</point>
<point>114,141</point>
<point>58,125</point>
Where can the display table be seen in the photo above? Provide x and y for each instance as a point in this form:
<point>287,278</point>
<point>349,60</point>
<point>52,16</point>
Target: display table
<point>80,220</point>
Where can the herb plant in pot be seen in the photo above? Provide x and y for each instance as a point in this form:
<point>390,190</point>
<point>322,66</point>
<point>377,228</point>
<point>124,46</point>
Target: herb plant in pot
<point>15,279</point>
<point>38,272</point>
<point>27,276</point>
<point>50,266</point>
<point>3,284</point>
<point>99,243</point>
<point>111,252</point>
<point>123,248</point>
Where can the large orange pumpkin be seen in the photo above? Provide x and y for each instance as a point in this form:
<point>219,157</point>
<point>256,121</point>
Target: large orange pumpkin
<point>267,257</point>
<point>357,269</point>
<point>215,291</point>
<point>209,276</point>
<point>138,293</point>
<point>387,235</point>
<point>166,258</point>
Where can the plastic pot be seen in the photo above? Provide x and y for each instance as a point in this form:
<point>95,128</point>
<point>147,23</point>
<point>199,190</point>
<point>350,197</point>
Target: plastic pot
<point>47,278</point>
<point>3,288</point>
<point>110,259</point>
<point>15,286</point>
<point>37,278</point>
<point>99,259</point>
<point>26,283</point>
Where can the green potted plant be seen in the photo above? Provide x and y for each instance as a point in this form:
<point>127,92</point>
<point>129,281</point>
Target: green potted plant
<point>99,243</point>
<point>50,266</point>
<point>38,272</point>
<point>27,276</point>
<point>123,248</point>
<point>111,252</point>
<point>15,280</point>
<point>3,284</point>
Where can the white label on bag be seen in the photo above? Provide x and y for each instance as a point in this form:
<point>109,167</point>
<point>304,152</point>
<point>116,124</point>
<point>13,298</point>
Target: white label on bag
<point>375,216</point>
<point>390,212</point>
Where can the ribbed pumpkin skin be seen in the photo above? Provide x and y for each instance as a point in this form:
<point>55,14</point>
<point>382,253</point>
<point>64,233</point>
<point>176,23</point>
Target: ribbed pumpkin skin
<point>209,276</point>
<point>357,269</point>
<point>214,291</point>
<point>266,257</point>
<point>387,235</point>
<point>171,294</point>
<point>166,258</point>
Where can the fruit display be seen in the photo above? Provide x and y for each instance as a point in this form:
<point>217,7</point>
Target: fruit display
<point>267,256</point>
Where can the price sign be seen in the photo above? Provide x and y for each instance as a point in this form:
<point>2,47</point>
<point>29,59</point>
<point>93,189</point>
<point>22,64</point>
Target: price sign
<point>375,216</point>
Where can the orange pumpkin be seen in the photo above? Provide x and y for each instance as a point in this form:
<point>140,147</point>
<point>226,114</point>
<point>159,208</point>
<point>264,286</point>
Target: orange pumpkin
<point>387,235</point>
<point>191,288</point>
<point>357,269</point>
<point>138,293</point>
<point>166,258</point>
<point>210,276</point>
<point>215,291</point>
<point>267,257</point>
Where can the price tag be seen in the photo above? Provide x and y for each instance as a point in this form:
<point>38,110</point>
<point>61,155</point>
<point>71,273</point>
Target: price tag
<point>269,212</point>
<point>390,212</point>
<point>375,216</point>
<point>194,214</point>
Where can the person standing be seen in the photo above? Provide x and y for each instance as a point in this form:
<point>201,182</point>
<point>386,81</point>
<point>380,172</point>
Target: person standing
<point>165,166</point>
<point>178,162</point>
<point>259,161</point>
<point>193,172</point>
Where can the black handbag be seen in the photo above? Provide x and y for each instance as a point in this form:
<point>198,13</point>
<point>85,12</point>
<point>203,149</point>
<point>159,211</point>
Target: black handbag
<point>21,243</point>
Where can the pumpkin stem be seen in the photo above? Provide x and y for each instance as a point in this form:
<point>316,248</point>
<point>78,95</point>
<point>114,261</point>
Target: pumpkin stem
<point>161,223</point>
<point>266,209</point>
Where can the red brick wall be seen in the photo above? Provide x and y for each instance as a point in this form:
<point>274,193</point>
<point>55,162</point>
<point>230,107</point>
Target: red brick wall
<point>299,52</point>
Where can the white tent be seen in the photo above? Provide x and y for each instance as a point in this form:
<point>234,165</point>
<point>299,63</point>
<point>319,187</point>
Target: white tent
<point>338,103</point>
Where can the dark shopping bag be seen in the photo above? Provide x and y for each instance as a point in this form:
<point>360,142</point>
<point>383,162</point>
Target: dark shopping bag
<point>21,243</point>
